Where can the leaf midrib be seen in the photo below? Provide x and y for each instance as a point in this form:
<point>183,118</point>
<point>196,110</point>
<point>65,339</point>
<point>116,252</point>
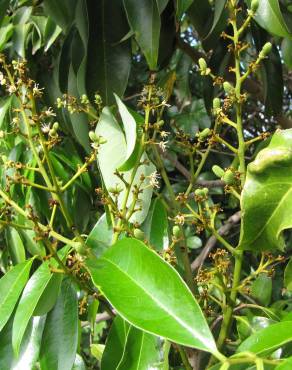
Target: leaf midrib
<point>190,330</point>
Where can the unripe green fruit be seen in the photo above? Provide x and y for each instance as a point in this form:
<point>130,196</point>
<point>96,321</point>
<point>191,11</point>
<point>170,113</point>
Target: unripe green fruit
<point>92,135</point>
<point>216,103</point>
<point>202,64</point>
<point>229,177</point>
<point>218,171</point>
<point>228,88</point>
<point>254,5</point>
<point>80,249</point>
<point>139,234</point>
<point>266,48</point>
<point>52,132</point>
<point>176,231</point>
<point>205,192</point>
<point>203,134</point>
<point>55,126</point>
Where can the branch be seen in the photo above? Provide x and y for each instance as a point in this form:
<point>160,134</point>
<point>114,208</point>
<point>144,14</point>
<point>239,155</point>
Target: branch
<point>223,230</point>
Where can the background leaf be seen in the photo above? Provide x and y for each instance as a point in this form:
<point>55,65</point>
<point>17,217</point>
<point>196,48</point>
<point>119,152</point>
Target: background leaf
<point>60,336</point>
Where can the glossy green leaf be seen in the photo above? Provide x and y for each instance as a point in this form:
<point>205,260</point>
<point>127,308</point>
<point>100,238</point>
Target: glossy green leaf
<point>156,226</point>
<point>79,363</point>
<point>285,365</point>
<point>15,245</point>
<point>112,155</point>
<point>267,196</point>
<point>52,31</point>
<point>115,344</point>
<point>35,248</point>
<point>261,289</point>
<point>4,108</point>
<point>30,347</point>
<point>162,5</point>
<point>61,13</point>
<point>108,61</point>
<point>268,339</point>
<point>130,129</point>
<point>35,288</point>
<point>144,19</point>
<point>60,336</point>
<point>100,237</point>
<point>150,294</point>
<point>96,350</point>
<point>288,276</point>
<point>269,17</point>
<point>286,48</point>
<point>11,285</point>
<point>182,6</point>
<point>218,12</point>
<point>5,34</point>
<point>141,351</point>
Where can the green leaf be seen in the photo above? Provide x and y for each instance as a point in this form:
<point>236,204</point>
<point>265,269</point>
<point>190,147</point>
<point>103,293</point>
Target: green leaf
<point>30,298</point>
<point>261,289</point>
<point>144,19</point>
<point>11,285</point>
<point>35,248</point>
<point>5,34</point>
<point>108,61</point>
<point>61,12</point>
<point>100,236</point>
<point>288,276</point>
<point>286,48</point>
<point>96,350</point>
<point>267,195</point>
<point>285,365</point>
<point>52,31</point>
<point>78,363</point>
<point>115,344</point>
<point>268,339</point>
<point>30,347</point>
<point>130,128</point>
<point>15,245</point>
<point>182,6</point>
<point>269,17</point>
<point>150,294</point>
<point>141,351</point>
<point>60,336</point>
<point>156,226</point>
<point>112,155</point>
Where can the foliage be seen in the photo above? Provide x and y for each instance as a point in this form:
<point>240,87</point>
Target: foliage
<point>134,138</point>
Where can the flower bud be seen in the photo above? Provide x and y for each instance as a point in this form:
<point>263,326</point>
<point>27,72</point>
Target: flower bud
<point>176,231</point>
<point>202,64</point>
<point>218,171</point>
<point>204,134</point>
<point>216,103</point>
<point>229,177</point>
<point>228,88</point>
<point>139,234</point>
<point>92,135</point>
<point>265,50</point>
<point>55,126</point>
<point>254,5</point>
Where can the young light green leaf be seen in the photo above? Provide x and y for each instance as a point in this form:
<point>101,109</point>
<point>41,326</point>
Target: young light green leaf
<point>15,245</point>
<point>144,19</point>
<point>150,294</point>
<point>112,155</point>
<point>11,285</point>
<point>269,17</point>
<point>35,288</point>
<point>288,276</point>
<point>130,128</point>
<point>59,344</point>
<point>267,196</point>
<point>268,339</point>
